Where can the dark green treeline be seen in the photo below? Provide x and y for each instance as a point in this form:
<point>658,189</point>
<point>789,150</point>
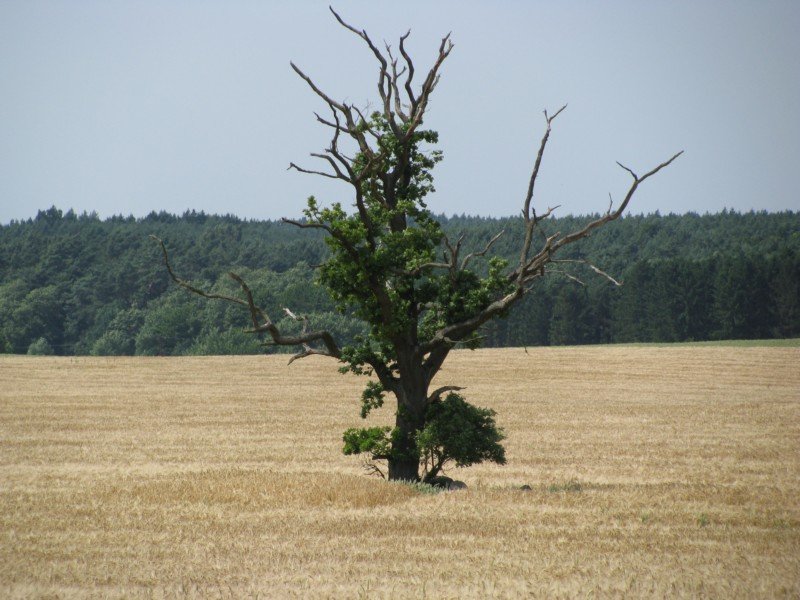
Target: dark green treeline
<point>73,284</point>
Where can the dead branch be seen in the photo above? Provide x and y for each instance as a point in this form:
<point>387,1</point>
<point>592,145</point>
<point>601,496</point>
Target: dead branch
<point>372,469</point>
<point>606,275</point>
<point>529,269</point>
<point>312,172</point>
<point>410,93</point>
<point>591,266</point>
<point>389,81</point>
<point>582,233</point>
<point>569,276</point>
<point>530,223</point>
<point>437,394</point>
<point>483,252</point>
<point>260,320</point>
<point>403,117</point>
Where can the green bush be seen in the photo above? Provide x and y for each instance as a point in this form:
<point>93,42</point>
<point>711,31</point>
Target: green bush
<point>113,343</point>
<point>40,347</point>
<point>373,440</point>
<point>458,432</point>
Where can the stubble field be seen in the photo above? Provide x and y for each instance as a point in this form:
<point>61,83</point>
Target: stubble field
<point>668,471</point>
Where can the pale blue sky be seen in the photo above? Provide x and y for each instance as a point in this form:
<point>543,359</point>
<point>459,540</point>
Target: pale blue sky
<point>128,107</point>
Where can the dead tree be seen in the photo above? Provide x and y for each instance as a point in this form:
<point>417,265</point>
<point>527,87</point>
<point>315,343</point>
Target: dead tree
<point>393,266</point>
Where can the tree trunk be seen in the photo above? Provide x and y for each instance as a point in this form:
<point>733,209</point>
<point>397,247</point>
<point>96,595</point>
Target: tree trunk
<point>412,400</point>
<point>404,464</point>
<point>403,470</point>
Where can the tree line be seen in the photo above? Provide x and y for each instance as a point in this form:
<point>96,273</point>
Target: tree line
<point>76,285</point>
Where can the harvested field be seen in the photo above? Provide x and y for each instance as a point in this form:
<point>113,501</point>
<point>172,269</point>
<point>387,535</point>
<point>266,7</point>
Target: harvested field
<point>655,471</point>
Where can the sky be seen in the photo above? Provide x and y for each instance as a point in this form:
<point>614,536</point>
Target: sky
<point>132,107</point>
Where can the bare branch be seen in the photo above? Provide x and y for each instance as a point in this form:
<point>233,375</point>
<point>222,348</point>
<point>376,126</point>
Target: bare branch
<point>306,351</point>
<point>582,233</point>
<point>337,106</point>
<point>591,266</point>
<point>455,332</point>
<point>666,163</point>
<point>604,274</point>
<point>293,316</point>
<point>628,170</point>
<point>188,286</point>
<point>411,98</point>
<point>307,224</point>
<point>421,103</point>
<point>483,252</point>
<point>569,276</point>
<point>343,161</point>
<point>362,34</point>
<point>372,469</point>
<point>385,87</point>
<point>256,314</point>
<point>530,223</point>
<point>261,323</point>
<point>331,124</point>
<point>313,172</point>
<point>365,122</point>
<point>437,393</point>
<point>531,269</point>
<point>538,162</point>
<point>393,79</point>
<point>453,249</point>
<point>527,271</point>
<point>330,101</point>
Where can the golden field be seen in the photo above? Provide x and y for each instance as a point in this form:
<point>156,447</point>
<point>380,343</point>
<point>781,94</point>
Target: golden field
<point>656,472</point>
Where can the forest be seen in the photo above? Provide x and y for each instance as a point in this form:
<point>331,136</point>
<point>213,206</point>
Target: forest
<point>77,285</point>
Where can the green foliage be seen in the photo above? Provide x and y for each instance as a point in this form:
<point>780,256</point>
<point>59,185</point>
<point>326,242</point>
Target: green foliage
<point>119,335</point>
<point>375,441</point>
<point>569,324</point>
<point>87,270</point>
<point>113,343</point>
<point>371,398</point>
<point>380,270</point>
<point>40,347</point>
<point>168,328</point>
<point>385,246</point>
<point>456,431</point>
<point>32,314</point>
<point>452,299</point>
<point>221,343</point>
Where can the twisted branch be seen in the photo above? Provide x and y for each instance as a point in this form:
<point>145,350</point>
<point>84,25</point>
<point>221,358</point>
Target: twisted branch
<point>260,320</point>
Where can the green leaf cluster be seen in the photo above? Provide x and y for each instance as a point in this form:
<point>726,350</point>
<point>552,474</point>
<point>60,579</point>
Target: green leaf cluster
<point>368,440</point>
<point>382,245</point>
<point>453,298</point>
<point>458,432</point>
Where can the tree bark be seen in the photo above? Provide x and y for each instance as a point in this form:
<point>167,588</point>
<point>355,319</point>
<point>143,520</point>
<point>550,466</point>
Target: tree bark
<point>412,403</point>
<point>403,470</point>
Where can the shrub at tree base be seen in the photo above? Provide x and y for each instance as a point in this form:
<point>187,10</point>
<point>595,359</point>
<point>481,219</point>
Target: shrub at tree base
<point>458,432</point>
<point>455,432</point>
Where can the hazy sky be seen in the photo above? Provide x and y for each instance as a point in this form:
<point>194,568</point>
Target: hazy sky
<point>128,107</point>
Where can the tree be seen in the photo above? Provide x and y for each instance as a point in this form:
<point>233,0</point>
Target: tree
<point>391,265</point>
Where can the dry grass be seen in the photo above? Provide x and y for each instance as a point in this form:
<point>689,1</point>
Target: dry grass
<point>655,472</point>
